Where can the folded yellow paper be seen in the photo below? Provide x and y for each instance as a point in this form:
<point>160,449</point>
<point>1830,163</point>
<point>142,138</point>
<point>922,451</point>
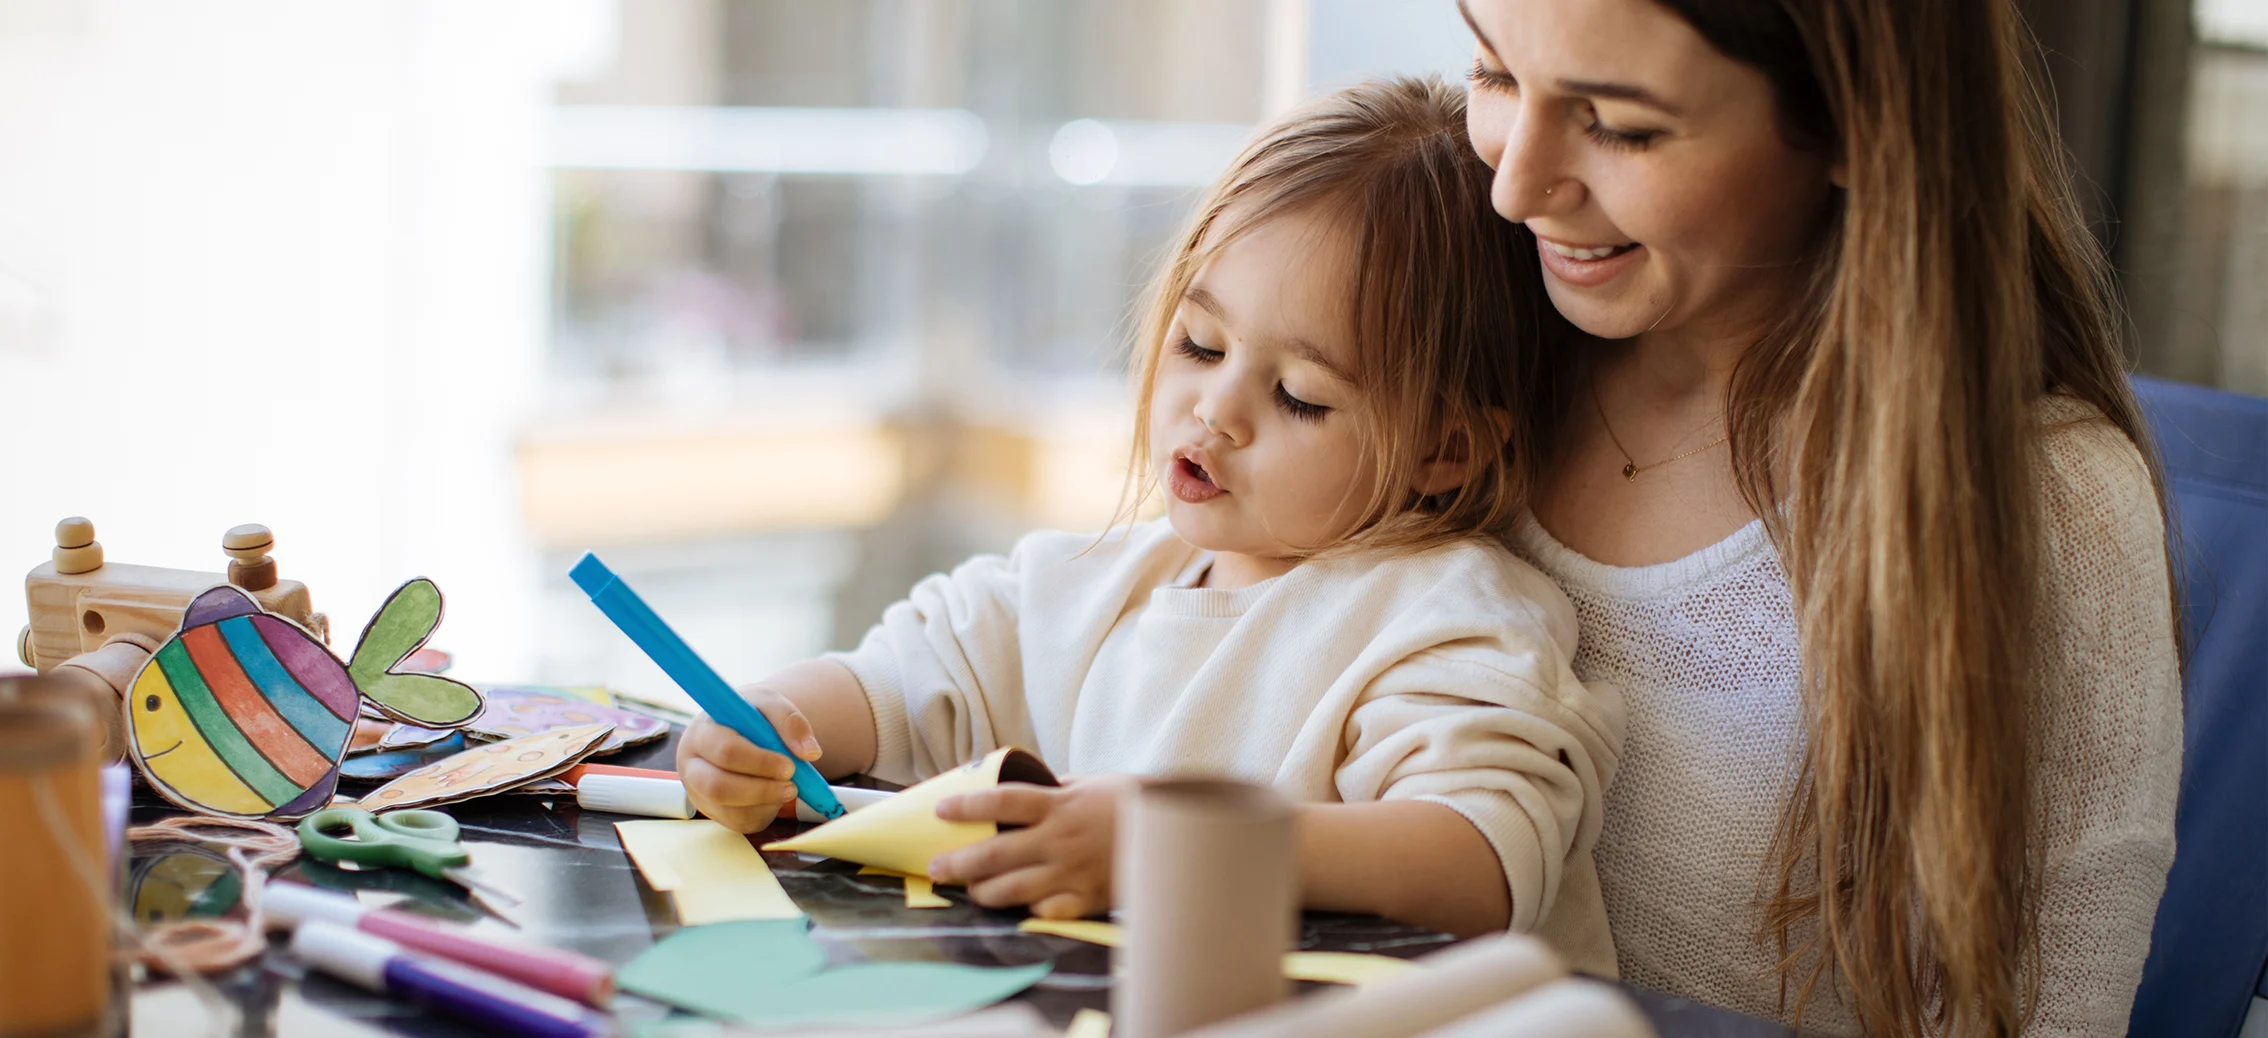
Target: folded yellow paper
<point>902,833</point>
<point>711,873</point>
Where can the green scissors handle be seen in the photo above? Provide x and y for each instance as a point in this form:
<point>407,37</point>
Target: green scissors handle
<point>425,841</point>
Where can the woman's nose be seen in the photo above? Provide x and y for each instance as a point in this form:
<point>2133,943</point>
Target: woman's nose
<point>1532,174</point>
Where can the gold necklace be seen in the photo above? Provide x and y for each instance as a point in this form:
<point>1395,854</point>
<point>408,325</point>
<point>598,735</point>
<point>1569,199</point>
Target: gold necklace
<point>1630,466</point>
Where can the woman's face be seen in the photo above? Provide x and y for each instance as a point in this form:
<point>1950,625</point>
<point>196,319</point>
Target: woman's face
<point>1650,167</point>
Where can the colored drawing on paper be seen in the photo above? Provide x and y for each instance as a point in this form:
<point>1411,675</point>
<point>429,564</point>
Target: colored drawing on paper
<point>247,715</point>
<point>516,710</point>
<point>388,765</point>
<point>488,768</point>
<point>771,974</point>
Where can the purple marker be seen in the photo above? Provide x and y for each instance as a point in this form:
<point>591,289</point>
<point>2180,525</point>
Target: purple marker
<point>468,994</point>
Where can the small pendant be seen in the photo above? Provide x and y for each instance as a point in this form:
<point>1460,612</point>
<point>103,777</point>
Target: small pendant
<point>1630,471</point>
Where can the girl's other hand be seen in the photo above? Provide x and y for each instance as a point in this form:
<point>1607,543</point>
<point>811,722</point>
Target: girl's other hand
<point>734,781</point>
<point>1058,863</point>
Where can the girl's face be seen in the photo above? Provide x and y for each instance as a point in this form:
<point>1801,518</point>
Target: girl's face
<point>1649,165</point>
<point>1255,427</point>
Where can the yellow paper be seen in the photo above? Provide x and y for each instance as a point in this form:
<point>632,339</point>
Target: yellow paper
<point>920,893</point>
<point>902,833</point>
<point>1356,968</point>
<point>1089,1023</point>
<point>709,871</point>
<point>1092,931</point>
<point>1327,967</point>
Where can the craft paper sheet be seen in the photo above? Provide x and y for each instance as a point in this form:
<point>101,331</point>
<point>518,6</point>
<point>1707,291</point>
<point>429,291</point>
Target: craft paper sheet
<point>516,710</point>
<point>488,768</point>
<point>711,873</point>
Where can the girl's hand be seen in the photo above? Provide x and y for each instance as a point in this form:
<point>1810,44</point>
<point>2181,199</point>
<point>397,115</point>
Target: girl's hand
<point>732,780</point>
<point>1059,863</point>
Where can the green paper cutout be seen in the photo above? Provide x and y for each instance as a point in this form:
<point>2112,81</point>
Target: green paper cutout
<point>770,973</point>
<point>401,627</point>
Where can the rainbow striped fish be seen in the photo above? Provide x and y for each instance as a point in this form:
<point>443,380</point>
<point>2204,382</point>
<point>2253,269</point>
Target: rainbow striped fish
<point>245,714</point>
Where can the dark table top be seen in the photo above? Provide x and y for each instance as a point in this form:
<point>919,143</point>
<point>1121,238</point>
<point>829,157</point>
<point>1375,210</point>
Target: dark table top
<point>580,891</point>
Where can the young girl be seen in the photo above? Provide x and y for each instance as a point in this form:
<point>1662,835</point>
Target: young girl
<point>1331,379</point>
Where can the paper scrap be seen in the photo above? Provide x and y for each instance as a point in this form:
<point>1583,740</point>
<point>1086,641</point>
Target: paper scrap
<point>771,974</point>
<point>1325,967</point>
<point>711,873</point>
<point>1089,1023</point>
<point>1355,968</point>
<point>1092,931</point>
<point>920,892</point>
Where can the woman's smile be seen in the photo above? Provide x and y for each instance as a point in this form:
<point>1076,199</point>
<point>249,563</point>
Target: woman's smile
<point>1587,266</point>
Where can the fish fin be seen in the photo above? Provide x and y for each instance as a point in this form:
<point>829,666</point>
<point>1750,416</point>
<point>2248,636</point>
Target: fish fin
<point>218,603</point>
<point>400,627</point>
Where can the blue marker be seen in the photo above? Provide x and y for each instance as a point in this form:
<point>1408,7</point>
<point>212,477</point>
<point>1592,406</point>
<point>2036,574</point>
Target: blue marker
<point>684,666</point>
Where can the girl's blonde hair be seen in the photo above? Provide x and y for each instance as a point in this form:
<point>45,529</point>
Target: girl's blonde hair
<point>1450,318</point>
<point>1889,434</point>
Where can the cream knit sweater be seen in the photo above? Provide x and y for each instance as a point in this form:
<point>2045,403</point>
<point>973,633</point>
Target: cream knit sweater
<point>1704,649</point>
<point>1442,675</point>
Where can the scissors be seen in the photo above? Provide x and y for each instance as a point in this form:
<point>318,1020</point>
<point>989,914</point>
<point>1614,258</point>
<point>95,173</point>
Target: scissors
<point>423,841</point>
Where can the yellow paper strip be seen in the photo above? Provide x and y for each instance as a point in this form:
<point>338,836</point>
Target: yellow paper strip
<point>1089,1023</point>
<point>920,893</point>
<point>1356,968</point>
<point>710,872</point>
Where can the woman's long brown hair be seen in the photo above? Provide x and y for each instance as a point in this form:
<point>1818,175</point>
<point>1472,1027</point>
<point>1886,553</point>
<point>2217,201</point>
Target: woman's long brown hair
<point>1888,433</point>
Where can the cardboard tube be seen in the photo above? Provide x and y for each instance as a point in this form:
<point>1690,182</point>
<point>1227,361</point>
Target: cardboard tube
<point>1449,984</point>
<point>902,832</point>
<point>1571,1008</point>
<point>1208,884</point>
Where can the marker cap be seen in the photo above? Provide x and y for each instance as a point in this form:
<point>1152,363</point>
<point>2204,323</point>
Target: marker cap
<point>288,904</point>
<point>629,795</point>
<point>344,953</point>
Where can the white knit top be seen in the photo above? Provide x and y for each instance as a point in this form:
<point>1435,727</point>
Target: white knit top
<point>1704,649</point>
<point>1441,675</point>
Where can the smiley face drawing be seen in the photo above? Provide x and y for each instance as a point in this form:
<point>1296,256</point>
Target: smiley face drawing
<point>246,715</point>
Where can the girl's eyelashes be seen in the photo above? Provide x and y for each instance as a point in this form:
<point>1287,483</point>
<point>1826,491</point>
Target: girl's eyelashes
<point>1188,347</point>
<point>1298,408</point>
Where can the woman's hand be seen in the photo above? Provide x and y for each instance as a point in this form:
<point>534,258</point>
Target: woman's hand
<point>1059,863</point>
<point>731,779</point>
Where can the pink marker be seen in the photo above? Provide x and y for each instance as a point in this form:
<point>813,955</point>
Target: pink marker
<point>556,970</point>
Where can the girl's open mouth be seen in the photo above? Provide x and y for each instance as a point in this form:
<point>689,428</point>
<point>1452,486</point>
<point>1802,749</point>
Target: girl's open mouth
<point>1190,482</point>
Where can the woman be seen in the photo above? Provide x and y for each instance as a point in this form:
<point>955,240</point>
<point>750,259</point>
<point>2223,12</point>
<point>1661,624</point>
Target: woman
<point>1848,495</point>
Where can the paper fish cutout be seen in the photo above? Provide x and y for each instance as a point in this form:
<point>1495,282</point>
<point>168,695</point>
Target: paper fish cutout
<point>516,710</point>
<point>488,768</point>
<point>246,715</point>
<point>902,833</point>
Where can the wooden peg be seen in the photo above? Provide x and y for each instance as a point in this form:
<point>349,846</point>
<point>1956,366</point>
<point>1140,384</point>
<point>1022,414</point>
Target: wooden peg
<point>76,550</point>
<point>249,566</point>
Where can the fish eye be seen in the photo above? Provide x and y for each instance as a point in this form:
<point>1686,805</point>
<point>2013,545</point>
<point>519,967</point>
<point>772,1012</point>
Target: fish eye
<point>151,704</point>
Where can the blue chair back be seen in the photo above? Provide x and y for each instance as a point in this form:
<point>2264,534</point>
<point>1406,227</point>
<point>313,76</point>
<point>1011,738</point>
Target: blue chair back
<point>2210,945</point>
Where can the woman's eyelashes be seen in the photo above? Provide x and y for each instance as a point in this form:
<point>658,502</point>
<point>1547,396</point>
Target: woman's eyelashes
<point>1484,77</point>
<point>1491,78</point>
<point>1627,140</point>
<point>1291,405</point>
